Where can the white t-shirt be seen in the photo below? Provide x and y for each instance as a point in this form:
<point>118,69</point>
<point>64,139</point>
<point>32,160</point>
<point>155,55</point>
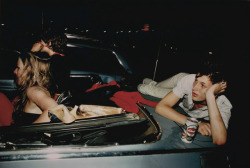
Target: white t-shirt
<point>184,90</point>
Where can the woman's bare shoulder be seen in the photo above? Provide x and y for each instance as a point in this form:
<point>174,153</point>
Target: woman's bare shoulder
<point>37,91</point>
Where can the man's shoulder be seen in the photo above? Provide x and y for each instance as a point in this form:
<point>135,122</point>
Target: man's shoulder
<point>223,100</point>
<point>188,79</point>
<point>184,85</point>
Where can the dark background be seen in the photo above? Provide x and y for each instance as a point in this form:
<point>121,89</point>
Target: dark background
<point>181,35</point>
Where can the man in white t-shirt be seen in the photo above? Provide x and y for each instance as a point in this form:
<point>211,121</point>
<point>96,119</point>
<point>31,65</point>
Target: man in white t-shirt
<point>201,99</point>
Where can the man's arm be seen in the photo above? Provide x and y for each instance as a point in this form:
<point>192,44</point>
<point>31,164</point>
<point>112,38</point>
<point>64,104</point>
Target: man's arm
<point>164,108</point>
<point>217,126</point>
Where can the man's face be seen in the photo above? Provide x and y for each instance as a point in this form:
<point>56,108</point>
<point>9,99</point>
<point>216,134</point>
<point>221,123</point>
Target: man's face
<point>39,47</point>
<point>19,71</point>
<point>200,87</point>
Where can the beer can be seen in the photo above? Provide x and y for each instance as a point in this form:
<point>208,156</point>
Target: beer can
<point>189,130</point>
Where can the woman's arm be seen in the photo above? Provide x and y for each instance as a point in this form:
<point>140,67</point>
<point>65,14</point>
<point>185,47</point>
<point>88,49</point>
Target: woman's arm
<point>39,97</point>
<point>164,108</point>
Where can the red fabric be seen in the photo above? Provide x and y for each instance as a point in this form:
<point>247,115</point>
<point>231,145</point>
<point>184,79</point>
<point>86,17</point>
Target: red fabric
<point>97,85</point>
<point>6,110</point>
<point>58,54</point>
<point>56,96</point>
<point>128,100</point>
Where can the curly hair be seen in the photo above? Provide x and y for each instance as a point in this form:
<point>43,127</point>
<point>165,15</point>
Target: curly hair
<point>36,74</point>
<point>214,71</point>
<point>57,39</point>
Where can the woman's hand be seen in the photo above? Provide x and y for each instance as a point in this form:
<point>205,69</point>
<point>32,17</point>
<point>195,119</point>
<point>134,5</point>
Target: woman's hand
<point>204,129</point>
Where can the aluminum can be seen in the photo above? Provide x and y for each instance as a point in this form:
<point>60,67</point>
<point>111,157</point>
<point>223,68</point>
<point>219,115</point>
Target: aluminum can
<point>189,130</point>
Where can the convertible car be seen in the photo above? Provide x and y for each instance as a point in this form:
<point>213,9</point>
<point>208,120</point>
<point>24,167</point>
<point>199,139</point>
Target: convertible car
<point>139,138</point>
<point>144,139</point>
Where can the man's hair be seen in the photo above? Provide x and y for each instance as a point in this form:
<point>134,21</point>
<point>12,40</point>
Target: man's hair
<point>57,39</point>
<point>36,74</point>
<point>214,71</point>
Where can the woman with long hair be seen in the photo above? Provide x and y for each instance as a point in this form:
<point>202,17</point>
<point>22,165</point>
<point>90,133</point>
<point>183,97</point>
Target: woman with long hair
<point>33,79</point>
<point>36,92</point>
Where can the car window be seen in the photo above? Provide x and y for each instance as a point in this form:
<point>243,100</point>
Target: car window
<point>94,60</point>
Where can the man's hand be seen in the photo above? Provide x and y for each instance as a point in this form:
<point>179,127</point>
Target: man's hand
<point>212,92</point>
<point>204,129</point>
<point>217,88</point>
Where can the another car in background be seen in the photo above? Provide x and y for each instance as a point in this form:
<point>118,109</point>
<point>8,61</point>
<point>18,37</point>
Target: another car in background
<point>87,62</point>
<point>109,63</point>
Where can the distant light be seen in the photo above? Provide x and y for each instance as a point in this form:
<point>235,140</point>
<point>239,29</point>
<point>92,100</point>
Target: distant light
<point>210,52</point>
<point>121,31</point>
<point>129,31</point>
<point>66,29</point>
<point>145,27</point>
<point>133,46</point>
<point>71,45</point>
<point>87,30</point>
<point>73,36</point>
<point>2,24</point>
<point>104,31</point>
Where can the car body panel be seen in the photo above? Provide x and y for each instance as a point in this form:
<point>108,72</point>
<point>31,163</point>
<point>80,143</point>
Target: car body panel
<point>105,77</point>
<point>187,160</point>
<point>79,49</point>
<point>166,152</point>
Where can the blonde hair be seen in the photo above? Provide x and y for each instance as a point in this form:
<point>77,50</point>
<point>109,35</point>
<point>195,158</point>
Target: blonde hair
<point>36,73</point>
